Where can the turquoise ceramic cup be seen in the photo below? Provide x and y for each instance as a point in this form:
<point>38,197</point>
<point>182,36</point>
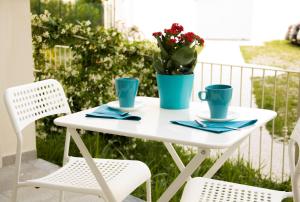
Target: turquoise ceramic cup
<point>218,97</point>
<point>126,89</point>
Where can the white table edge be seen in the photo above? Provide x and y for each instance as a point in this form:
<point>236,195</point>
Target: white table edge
<point>59,121</point>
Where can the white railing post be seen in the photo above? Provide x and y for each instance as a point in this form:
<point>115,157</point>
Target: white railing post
<point>261,145</point>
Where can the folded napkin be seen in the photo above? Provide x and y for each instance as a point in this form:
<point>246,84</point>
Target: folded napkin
<point>216,127</point>
<point>106,112</point>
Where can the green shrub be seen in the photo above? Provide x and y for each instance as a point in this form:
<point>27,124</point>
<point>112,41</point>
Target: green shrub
<point>99,56</point>
<point>71,11</point>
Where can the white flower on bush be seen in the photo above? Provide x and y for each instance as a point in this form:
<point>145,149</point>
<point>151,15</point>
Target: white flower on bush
<point>74,72</point>
<point>132,48</point>
<point>44,46</point>
<point>46,34</point>
<point>63,31</point>
<point>114,34</point>
<point>75,29</point>
<point>87,23</point>
<point>68,26</point>
<point>45,17</point>
<point>39,39</point>
<point>47,13</point>
<point>102,46</point>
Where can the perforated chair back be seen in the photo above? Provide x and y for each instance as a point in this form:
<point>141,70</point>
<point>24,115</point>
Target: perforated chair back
<point>294,146</point>
<point>30,102</point>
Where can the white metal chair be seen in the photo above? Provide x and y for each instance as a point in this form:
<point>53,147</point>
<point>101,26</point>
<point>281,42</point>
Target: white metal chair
<point>113,180</point>
<point>204,189</point>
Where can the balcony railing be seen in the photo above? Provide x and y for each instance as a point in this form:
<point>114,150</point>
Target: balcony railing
<point>265,149</point>
<point>254,86</point>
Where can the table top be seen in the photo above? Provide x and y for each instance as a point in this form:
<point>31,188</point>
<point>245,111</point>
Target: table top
<point>155,124</point>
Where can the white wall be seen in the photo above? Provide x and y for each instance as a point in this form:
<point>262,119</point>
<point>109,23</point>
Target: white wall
<point>213,19</point>
<point>16,66</point>
<point>271,18</point>
<point>155,15</point>
<point>219,19</point>
<point>230,19</point>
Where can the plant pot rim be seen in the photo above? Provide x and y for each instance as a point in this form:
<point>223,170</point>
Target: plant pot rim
<point>174,75</point>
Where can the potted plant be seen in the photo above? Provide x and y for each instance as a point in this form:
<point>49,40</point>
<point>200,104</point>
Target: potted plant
<point>175,65</point>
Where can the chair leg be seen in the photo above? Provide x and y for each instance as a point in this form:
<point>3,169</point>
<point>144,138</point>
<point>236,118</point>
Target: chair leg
<point>14,194</point>
<point>148,190</point>
<point>61,196</point>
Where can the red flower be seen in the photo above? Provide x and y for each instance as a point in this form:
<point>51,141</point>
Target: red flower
<point>200,40</point>
<point>189,37</point>
<point>177,27</point>
<point>171,41</point>
<point>157,34</point>
<point>180,38</point>
<point>170,31</point>
<point>175,38</point>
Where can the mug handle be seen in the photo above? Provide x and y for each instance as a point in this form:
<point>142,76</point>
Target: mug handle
<point>201,97</point>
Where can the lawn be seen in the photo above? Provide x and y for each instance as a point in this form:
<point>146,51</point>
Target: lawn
<point>155,155</point>
<point>278,54</point>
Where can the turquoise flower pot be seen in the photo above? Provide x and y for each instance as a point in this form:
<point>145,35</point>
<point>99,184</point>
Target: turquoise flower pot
<point>175,90</point>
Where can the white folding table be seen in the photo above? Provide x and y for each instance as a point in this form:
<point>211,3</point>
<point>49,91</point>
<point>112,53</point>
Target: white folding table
<point>155,125</point>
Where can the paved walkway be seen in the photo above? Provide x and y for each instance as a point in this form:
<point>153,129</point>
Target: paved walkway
<point>34,169</point>
<point>218,51</point>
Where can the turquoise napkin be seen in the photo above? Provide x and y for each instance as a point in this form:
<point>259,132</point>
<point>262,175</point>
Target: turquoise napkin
<point>216,127</point>
<point>106,112</point>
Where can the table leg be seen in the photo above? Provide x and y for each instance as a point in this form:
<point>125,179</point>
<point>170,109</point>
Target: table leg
<point>221,160</point>
<point>175,156</point>
<point>184,175</point>
<point>92,165</point>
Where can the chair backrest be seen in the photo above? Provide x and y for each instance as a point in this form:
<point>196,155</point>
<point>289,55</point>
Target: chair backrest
<point>29,102</point>
<point>294,146</point>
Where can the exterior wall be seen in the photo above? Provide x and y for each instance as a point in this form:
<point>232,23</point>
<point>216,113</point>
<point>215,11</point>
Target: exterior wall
<point>259,20</point>
<point>271,18</point>
<point>16,67</point>
<point>212,19</point>
<point>219,19</point>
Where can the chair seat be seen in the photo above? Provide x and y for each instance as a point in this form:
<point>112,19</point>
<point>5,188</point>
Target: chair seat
<point>204,189</point>
<point>122,176</point>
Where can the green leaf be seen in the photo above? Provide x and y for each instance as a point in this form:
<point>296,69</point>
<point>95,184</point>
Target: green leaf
<point>170,67</point>
<point>193,64</point>
<point>158,64</point>
<point>164,53</point>
<point>184,55</point>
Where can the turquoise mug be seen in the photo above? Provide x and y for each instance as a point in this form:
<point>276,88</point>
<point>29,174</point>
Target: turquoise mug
<point>126,89</point>
<point>218,97</point>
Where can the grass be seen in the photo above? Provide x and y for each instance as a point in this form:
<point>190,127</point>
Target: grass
<point>281,99</point>
<point>155,155</point>
<point>279,54</point>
